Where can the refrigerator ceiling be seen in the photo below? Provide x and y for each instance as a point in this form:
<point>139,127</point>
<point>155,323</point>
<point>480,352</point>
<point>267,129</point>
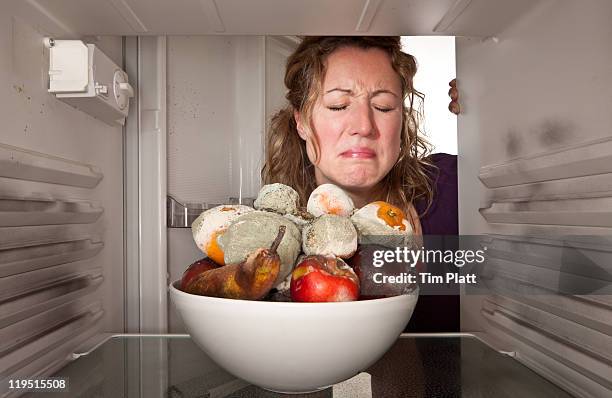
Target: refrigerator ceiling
<point>72,18</point>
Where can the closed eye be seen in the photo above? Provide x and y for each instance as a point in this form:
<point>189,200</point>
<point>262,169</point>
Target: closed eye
<point>343,107</point>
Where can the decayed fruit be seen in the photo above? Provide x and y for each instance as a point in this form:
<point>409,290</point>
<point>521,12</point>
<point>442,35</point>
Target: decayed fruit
<point>382,223</point>
<point>211,224</point>
<point>248,280</point>
<point>301,218</point>
<point>330,199</point>
<point>279,198</point>
<point>371,279</point>
<point>381,217</point>
<point>392,216</point>
<point>195,269</point>
<point>323,279</point>
<point>330,235</point>
<point>256,229</point>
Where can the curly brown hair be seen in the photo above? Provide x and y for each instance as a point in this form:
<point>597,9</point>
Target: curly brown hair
<point>286,159</point>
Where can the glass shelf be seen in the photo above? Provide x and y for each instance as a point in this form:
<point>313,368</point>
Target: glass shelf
<point>416,366</point>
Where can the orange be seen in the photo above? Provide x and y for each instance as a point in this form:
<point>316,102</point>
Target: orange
<point>391,215</point>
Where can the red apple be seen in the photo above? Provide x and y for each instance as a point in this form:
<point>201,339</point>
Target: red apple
<point>195,269</point>
<point>323,279</point>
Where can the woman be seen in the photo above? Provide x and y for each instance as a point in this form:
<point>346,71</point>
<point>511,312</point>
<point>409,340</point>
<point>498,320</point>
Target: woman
<point>347,124</point>
<point>351,121</point>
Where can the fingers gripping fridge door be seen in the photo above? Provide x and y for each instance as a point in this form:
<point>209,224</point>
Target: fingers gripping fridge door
<point>84,77</point>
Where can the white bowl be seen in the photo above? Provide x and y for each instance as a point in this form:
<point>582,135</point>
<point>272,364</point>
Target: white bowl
<point>293,347</point>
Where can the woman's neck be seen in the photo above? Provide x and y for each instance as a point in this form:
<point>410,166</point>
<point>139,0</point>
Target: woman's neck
<point>360,199</point>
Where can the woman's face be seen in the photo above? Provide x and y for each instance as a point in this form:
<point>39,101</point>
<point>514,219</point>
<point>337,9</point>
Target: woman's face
<point>357,119</point>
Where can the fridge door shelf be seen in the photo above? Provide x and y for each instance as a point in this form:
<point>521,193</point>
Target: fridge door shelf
<point>181,215</point>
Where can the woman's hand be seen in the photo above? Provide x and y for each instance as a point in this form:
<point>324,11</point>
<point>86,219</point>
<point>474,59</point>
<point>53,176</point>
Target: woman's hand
<point>453,93</point>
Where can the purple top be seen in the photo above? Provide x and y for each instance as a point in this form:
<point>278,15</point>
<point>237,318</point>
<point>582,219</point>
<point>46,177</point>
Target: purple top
<point>442,217</point>
<point>439,313</point>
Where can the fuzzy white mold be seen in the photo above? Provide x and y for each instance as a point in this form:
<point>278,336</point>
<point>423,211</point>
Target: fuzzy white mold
<point>329,199</point>
<point>212,222</point>
<point>330,235</point>
<point>279,198</point>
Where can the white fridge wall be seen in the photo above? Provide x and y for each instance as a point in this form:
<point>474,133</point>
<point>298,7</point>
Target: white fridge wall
<point>205,137</point>
<point>221,92</point>
<point>215,123</point>
<point>544,86</point>
<point>534,157</point>
<point>41,132</point>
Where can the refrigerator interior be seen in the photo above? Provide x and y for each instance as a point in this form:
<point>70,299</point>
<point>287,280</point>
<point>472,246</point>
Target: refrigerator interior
<point>85,250</point>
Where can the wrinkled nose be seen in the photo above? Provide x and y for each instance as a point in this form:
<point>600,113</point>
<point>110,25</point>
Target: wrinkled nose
<point>362,120</point>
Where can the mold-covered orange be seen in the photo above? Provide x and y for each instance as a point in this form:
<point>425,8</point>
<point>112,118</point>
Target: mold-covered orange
<point>391,215</point>
<point>329,199</point>
<point>211,224</point>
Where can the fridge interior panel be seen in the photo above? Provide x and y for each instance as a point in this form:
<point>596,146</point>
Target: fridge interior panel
<point>19,211</point>
<point>534,167</point>
<point>60,141</point>
<point>147,295</point>
<point>526,103</point>
<point>61,234</point>
<point>278,49</point>
<point>215,117</point>
<point>182,251</point>
<point>29,261</point>
<point>22,164</point>
<point>480,18</point>
<point>132,195</point>
<point>29,330</point>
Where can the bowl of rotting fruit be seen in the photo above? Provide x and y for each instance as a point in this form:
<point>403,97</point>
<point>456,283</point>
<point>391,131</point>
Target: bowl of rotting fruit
<point>285,298</point>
